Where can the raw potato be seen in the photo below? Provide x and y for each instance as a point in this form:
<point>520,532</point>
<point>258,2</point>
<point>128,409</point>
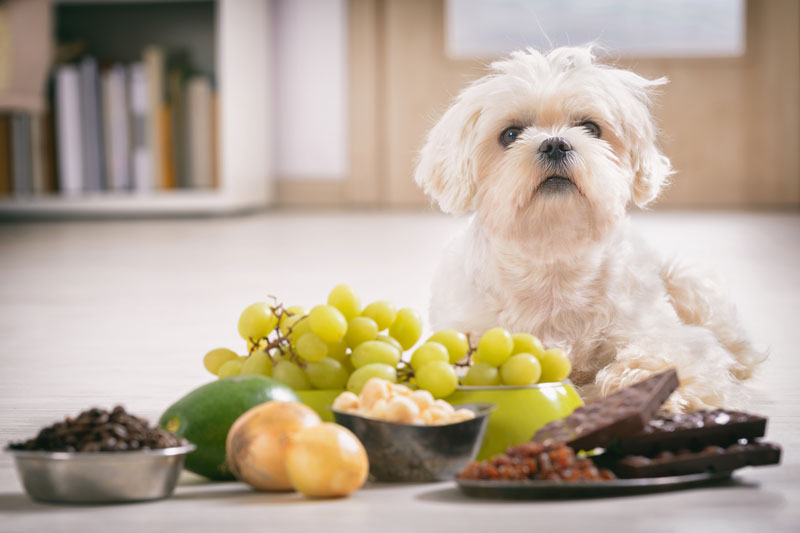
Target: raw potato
<point>256,443</point>
<point>326,461</point>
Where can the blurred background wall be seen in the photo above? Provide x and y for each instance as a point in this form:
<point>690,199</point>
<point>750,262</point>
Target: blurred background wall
<point>197,106</point>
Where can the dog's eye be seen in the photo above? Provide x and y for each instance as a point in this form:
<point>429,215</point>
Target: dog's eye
<point>591,127</point>
<point>509,135</point>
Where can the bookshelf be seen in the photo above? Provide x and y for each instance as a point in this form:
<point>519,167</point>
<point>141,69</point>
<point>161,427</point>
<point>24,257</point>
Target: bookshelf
<point>237,52</point>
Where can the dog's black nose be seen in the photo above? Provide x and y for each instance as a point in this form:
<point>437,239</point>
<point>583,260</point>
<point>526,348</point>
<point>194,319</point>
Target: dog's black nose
<point>555,148</point>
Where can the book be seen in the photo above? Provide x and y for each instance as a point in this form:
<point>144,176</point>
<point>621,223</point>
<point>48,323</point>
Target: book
<point>21,154</point>
<point>167,156</point>
<point>117,128</point>
<point>49,149</point>
<point>26,37</point>
<point>198,129</point>
<point>91,126</point>
<point>214,140</point>
<point>38,155</point>
<point>141,158</point>
<point>5,155</point>
<point>153,58</point>
<point>69,137</point>
<point>175,77</point>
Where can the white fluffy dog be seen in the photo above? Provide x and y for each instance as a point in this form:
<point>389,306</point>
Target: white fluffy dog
<point>548,151</point>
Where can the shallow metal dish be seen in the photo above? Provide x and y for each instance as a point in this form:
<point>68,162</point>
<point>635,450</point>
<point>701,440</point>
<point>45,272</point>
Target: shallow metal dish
<point>406,452</point>
<point>543,490</point>
<point>100,477</point>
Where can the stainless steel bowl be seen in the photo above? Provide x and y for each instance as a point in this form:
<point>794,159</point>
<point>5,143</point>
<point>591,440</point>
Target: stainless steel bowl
<point>100,477</point>
<point>405,452</point>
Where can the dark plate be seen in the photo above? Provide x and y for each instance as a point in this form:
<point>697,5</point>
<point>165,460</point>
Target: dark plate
<point>545,490</point>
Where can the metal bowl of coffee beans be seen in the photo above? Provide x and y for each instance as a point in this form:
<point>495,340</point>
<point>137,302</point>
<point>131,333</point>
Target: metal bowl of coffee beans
<point>100,457</point>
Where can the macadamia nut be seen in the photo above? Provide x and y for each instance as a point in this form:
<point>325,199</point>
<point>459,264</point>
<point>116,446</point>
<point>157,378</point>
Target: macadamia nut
<point>375,389</point>
<point>401,410</point>
<point>382,400</point>
<point>378,410</point>
<point>346,401</point>
<point>422,398</point>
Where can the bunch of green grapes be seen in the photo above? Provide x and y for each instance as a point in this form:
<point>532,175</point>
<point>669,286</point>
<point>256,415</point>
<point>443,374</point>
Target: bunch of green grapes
<point>519,359</point>
<point>500,358</point>
<point>342,345</point>
<point>335,345</point>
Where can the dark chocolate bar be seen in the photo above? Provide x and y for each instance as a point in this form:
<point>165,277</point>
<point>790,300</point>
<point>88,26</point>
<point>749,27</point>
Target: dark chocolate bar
<point>710,459</point>
<point>693,431</point>
<point>623,413</point>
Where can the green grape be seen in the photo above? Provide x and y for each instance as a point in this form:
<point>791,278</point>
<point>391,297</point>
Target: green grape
<point>430,351</point>
<point>281,354</point>
<point>327,322</point>
<point>345,299</point>
<point>375,370</point>
<point>230,368</point>
<point>406,328</point>
<point>389,340</point>
<point>456,343</point>
<point>521,369</point>
<point>258,363</point>
<point>300,327</point>
<point>494,347</point>
<point>257,321</point>
<point>482,375</point>
<point>311,348</point>
<point>360,329</point>
<point>218,357</point>
<point>437,377</point>
<point>327,373</point>
<point>374,352</point>
<point>347,363</point>
<point>337,350</point>
<point>290,316</point>
<point>291,375</point>
<point>527,343</point>
<point>382,312</point>
<point>555,365</point>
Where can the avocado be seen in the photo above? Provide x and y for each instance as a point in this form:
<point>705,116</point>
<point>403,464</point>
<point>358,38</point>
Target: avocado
<point>205,415</point>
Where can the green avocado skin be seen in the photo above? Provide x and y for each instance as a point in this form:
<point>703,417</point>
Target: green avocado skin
<point>205,415</point>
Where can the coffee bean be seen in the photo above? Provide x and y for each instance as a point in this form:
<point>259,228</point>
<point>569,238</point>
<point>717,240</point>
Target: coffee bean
<point>97,430</point>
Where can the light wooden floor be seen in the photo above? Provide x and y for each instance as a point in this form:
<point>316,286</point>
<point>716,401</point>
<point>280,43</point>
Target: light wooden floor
<point>98,313</point>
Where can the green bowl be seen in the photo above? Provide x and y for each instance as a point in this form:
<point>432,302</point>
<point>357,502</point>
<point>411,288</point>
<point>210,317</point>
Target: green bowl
<point>320,401</point>
<point>520,411</point>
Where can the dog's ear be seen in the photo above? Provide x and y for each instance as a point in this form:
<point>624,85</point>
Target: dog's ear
<point>447,168</point>
<point>651,168</point>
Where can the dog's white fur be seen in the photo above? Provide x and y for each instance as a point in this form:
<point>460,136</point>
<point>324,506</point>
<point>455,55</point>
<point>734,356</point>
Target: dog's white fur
<point>563,264</point>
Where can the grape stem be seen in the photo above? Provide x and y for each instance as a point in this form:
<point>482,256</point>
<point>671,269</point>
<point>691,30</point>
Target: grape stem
<point>279,340</point>
<point>466,361</point>
<point>404,371</point>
